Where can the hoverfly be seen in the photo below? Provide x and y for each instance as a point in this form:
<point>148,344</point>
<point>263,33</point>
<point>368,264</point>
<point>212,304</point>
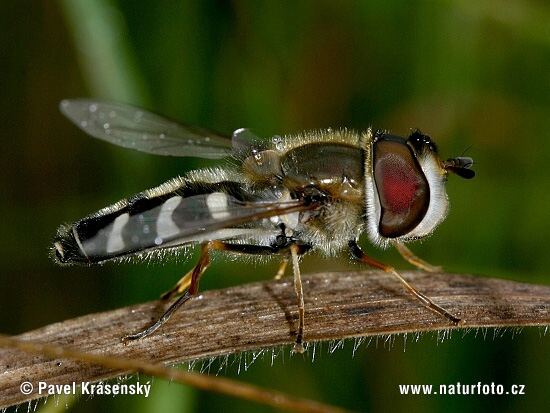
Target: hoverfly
<point>285,196</point>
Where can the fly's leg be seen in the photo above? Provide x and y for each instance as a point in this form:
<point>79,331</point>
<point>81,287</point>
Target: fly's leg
<point>180,287</point>
<point>282,269</point>
<point>190,281</point>
<point>295,251</point>
<point>356,252</point>
<point>196,274</point>
<point>413,259</point>
<point>185,281</point>
<point>299,344</point>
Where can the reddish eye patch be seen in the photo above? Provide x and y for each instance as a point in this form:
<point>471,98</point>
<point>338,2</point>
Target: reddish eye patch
<point>402,187</point>
<point>398,183</point>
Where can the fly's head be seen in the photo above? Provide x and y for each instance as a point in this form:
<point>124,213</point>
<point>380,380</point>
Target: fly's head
<point>405,186</point>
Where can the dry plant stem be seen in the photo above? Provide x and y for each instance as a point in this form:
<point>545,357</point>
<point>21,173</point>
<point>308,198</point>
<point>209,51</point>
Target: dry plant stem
<point>201,381</point>
<point>263,315</point>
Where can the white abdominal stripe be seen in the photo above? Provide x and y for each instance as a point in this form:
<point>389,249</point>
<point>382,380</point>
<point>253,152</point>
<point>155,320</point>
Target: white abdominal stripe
<point>148,221</point>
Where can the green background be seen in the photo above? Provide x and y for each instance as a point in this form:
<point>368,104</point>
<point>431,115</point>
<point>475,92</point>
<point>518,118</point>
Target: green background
<point>470,74</point>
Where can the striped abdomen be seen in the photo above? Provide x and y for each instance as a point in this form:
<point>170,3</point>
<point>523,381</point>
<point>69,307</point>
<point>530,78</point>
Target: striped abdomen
<point>176,212</point>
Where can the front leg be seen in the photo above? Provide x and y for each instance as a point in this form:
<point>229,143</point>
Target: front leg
<point>357,253</point>
<point>413,259</point>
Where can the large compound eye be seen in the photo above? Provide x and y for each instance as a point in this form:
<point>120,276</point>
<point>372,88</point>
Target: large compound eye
<point>403,189</point>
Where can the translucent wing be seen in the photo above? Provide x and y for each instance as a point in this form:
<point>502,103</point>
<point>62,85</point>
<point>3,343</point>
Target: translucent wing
<point>246,141</point>
<point>205,217</point>
<point>135,128</point>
